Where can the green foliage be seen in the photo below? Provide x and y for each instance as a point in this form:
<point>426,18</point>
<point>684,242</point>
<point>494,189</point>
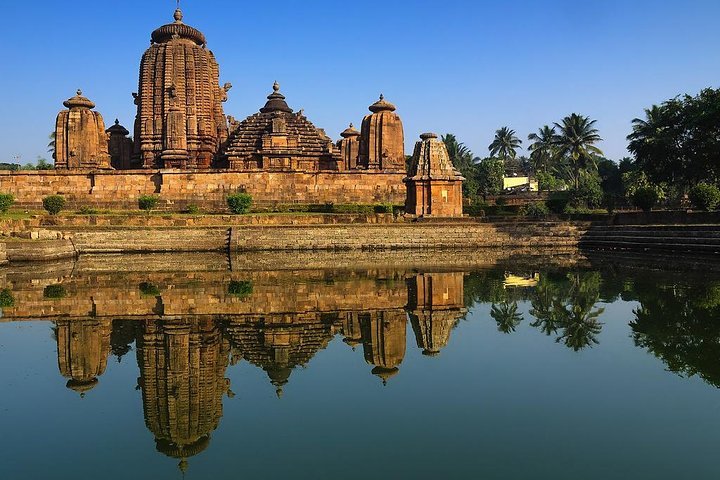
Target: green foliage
<point>490,172</point>
<point>383,208</point>
<point>677,141</point>
<point>536,209</point>
<point>543,153</point>
<point>610,176</point>
<point>192,209</point>
<point>54,292</point>
<point>548,182</point>
<point>239,203</point>
<point>704,196</point>
<point>465,162</point>
<point>6,201</point>
<point>85,210</point>
<point>645,198</point>
<point>6,298</point>
<point>506,316</point>
<point>558,201</point>
<point>147,202</point>
<point>148,289</point>
<point>505,144</point>
<point>588,193</point>
<point>43,164</point>
<point>54,204</point>
<point>575,145</point>
<point>240,288</point>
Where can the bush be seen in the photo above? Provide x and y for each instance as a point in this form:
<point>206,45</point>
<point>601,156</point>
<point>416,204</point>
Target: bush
<point>148,289</point>
<point>85,210</point>
<point>192,209</point>
<point>6,298</point>
<point>239,203</point>
<point>6,201</point>
<point>240,288</point>
<point>589,192</point>
<point>54,204</point>
<point>557,202</point>
<point>645,198</point>
<point>147,202</point>
<point>54,291</point>
<point>475,210</point>
<point>704,196</point>
<point>501,201</point>
<point>537,209</point>
<point>384,208</point>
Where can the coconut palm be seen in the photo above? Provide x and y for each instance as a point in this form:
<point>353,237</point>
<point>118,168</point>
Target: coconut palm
<point>51,144</point>
<point>505,144</point>
<point>506,316</point>
<point>576,144</point>
<point>542,148</point>
<point>459,153</point>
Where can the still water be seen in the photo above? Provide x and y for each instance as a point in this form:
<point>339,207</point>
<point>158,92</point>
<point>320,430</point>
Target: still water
<point>495,366</point>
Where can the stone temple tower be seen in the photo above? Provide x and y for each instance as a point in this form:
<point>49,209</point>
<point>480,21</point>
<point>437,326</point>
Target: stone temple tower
<point>80,138</point>
<point>180,121</point>
<point>382,143</point>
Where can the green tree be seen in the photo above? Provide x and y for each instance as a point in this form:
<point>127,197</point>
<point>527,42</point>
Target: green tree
<point>506,315</point>
<point>490,175</point>
<point>463,159</point>
<point>575,144</point>
<point>542,150</point>
<point>505,144</point>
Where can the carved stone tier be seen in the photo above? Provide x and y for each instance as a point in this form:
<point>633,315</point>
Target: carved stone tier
<point>384,341</point>
<point>279,140</point>
<point>434,187</point>
<point>382,139</point>
<point>180,121</point>
<point>83,347</point>
<point>80,138</point>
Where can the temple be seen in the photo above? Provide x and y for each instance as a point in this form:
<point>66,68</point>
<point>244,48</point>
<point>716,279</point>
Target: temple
<point>180,123</point>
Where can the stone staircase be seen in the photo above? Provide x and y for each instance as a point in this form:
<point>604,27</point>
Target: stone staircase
<point>678,238</point>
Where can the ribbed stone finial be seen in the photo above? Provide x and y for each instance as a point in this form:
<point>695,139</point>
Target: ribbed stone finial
<point>117,122</point>
<point>178,15</point>
<point>382,97</point>
<point>79,92</point>
<point>276,86</point>
<point>428,135</point>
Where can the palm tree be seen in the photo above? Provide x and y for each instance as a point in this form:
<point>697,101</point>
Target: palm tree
<point>51,145</point>
<point>459,153</point>
<point>506,316</point>
<point>542,148</point>
<point>505,144</point>
<point>576,143</point>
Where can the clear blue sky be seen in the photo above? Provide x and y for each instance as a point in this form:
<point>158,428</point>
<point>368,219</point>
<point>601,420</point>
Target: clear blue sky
<point>454,66</point>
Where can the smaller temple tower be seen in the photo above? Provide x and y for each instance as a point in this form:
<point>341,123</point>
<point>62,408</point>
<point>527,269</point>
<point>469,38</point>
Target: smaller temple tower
<point>434,187</point>
<point>349,147</point>
<point>382,142</point>
<point>80,138</point>
<point>83,347</point>
<point>120,146</point>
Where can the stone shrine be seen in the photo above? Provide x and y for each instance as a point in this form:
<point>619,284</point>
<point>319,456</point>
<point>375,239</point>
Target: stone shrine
<point>434,187</point>
<point>80,138</point>
<point>382,142</point>
<point>349,147</point>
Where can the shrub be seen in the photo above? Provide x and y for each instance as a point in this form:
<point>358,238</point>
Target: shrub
<point>239,203</point>
<point>557,201</point>
<point>475,210</point>
<point>589,192</point>
<point>645,198</point>
<point>192,209</point>
<point>240,288</point>
<point>353,208</point>
<point>537,209</point>
<point>6,298</point>
<point>501,201</point>
<point>54,204</point>
<point>54,291</point>
<point>704,196</point>
<point>85,210</point>
<point>147,202</point>
<point>148,289</point>
<point>384,208</point>
<point>6,201</point>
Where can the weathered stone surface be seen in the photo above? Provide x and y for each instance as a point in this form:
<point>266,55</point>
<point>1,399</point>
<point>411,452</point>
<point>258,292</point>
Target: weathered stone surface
<point>180,121</point>
<point>276,139</point>
<point>120,147</point>
<point>434,187</point>
<point>83,347</point>
<point>349,147</point>
<point>382,141</point>
<point>80,138</point>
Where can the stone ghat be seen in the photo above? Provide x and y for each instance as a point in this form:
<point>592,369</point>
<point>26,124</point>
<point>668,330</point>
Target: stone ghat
<point>252,238</point>
<point>206,189</point>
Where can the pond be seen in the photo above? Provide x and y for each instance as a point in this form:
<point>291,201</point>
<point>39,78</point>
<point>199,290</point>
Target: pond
<point>464,365</point>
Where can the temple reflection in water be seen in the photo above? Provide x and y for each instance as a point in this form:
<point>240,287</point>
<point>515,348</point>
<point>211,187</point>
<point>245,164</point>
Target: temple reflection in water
<point>189,328</point>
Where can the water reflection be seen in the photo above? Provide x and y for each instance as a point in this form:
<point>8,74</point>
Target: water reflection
<point>189,327</point>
